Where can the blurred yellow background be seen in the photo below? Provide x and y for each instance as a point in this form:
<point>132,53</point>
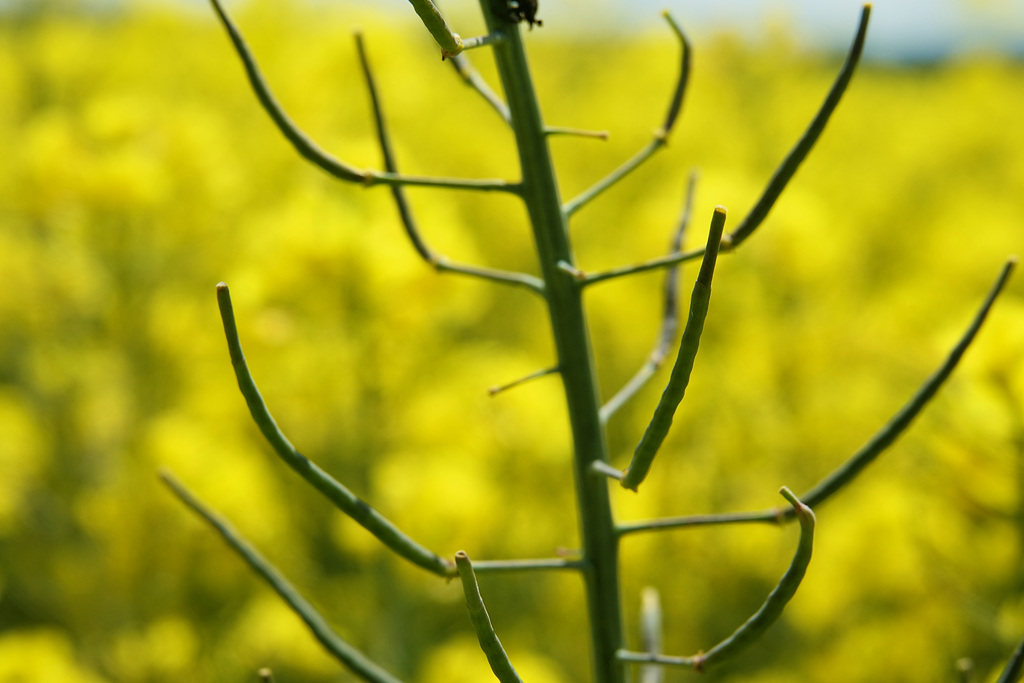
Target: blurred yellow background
<point>138,172</point>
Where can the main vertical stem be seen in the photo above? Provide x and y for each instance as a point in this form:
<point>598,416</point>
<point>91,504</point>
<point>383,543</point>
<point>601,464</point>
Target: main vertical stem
<point>572,343</point>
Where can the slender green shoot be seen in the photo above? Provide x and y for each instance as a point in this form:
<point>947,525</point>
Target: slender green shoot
<point>669,318</point>
<point>660,138</point>
<point>792,162</point>
<point>343,499</point>
<point>489,643</point>
<point>493,391</point>
<point>471,77</point>
<point>313,153</point>
<point>345,653</point>
<point>1015,667</point>
<point>767,615</point>
<point>867,454</point>
<point>439,262</point>
<point>658,428</point>
<point>527,565</point>
<point>650,633</point>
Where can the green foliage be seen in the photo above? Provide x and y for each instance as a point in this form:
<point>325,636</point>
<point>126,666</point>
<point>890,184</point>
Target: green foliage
<point>135,181</point>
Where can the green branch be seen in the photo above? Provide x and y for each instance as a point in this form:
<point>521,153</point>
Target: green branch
<point>658,428</point>
<point>313,153</point>
<point>767,615</point>
<point>489,643</point>
<point>439,262</point>
<point>799,152</point>
<point>352,658</point>
<point>345,500</point>
<point>660,136</point>
<point>882,440</point>
<point>471,77</point>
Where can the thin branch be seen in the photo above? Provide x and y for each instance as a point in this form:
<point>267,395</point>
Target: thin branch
<point>1015,667</point>
<point>471,77</point>
<point>799,152</point>
<point>867,454</point>
<point>493,391</point>
<point>352,658</point>
<point>767,615</point>
<point>901,420</point>
<point>603,468</point>
<point>448,40</point>
<point>489,643</point>
<point>527,565</point>
<point>439,262</point>
<point>658,428</point>
<point>773,516</point>
<point>578,132</point>
<point>343,499</point>
<point>667,261</point>
<point>312,152</point>
<point>669,319</point>
<point>660,138</point>
<point>650,633</point>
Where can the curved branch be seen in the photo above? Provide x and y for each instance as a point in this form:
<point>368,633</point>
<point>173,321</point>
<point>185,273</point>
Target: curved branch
<point>660,136</point>
<point>855,464</point>
<point>489,643</point>
<point>439,262</point>
<point>343,499</point>
<point>799,152</point>
<point>767,615</point>
<point>312,152</point>
<point>356,661</point>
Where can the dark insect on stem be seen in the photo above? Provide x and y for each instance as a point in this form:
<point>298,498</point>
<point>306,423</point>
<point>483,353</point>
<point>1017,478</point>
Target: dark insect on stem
<point>522,10</point>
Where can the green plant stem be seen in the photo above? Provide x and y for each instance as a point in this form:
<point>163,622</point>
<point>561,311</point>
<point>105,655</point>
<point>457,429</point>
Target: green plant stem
<point>572,343</point>
<point>352,658</point>
<point>855,464</point>
<point>803,146</point>
<point>489,643</point>
<point>312,152</point>
<point>448,40</point>
<point>658,428</point>
<point>767,615</point>
<point>439,262</point>
<point>346,501</point>
<point>660,138</point>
